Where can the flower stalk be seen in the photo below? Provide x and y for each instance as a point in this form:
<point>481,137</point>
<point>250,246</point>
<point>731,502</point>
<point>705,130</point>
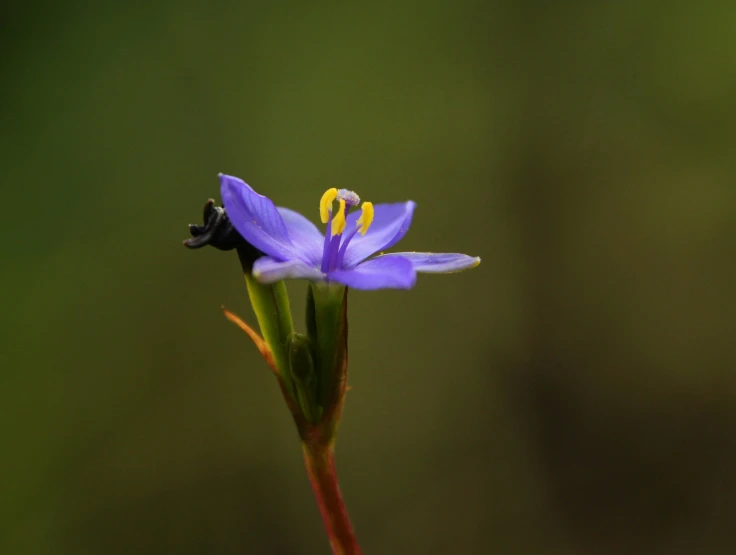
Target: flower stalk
<point>320,463</point>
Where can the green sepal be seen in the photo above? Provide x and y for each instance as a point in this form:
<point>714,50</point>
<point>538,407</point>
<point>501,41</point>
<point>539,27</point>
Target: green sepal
<point>304,374</point>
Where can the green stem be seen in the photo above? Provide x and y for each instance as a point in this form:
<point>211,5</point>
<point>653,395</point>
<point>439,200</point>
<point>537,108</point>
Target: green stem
<point>271,306</point>
<point>319,460</point>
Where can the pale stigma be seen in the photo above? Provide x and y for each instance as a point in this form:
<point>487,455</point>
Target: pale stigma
<point>351,197</point>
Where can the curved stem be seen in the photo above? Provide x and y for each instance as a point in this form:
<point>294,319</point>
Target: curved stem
<point>320,463</point>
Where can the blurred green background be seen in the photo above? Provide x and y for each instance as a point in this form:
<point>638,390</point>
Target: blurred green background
<point>575,394</point>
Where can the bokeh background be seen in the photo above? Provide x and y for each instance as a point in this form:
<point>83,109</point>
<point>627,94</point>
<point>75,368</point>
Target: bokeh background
<point>575,394</point>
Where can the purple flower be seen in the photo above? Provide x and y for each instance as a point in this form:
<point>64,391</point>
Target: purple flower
<point>294,248</point>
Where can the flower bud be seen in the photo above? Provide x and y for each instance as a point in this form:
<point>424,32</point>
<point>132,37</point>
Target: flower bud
<point>327,325</point>
<point>306,380</point>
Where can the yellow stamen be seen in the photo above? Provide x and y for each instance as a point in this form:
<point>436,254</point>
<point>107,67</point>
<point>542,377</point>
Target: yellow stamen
<point>338,220</point>
<point>366,218</point>
<point>325,205</point>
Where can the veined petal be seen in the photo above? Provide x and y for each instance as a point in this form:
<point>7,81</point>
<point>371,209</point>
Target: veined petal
<point>256,218</point>
<point>269,270</point>
<point>437,262</point>
<point>304,235</point>
<point>390,224</point>
<point>379,273</point>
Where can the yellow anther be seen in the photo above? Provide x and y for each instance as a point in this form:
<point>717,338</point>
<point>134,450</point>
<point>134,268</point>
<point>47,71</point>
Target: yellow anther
<point>366,217</point>
<point>325,204</point>
<point>338,220</point>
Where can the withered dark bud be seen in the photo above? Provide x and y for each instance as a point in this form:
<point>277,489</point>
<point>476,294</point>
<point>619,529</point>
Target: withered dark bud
<point>219,232</point>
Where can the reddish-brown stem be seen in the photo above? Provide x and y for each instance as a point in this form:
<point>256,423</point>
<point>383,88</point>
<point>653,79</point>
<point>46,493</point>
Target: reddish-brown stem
<point>320,463</point>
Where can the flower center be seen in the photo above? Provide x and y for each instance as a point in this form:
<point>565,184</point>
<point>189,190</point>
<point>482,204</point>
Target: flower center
<point>335,244</point>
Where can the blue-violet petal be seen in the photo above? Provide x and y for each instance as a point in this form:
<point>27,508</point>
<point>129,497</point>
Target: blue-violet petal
<point>379,273</point>
<point>269,270</point>
<point>256,218</point>
<point>390,224</point>
<point>304,235</point>
<point>438,262</point>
